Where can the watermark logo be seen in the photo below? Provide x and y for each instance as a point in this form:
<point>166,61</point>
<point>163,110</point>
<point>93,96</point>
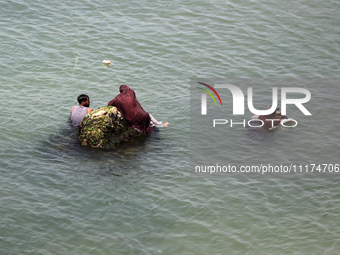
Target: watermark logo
<point>238,99</point>
<point>258,125</point>
<point>209,93</point>
<point>272,115</point>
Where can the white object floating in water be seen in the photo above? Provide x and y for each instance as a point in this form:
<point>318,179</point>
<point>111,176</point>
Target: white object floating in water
<point>107,62</point>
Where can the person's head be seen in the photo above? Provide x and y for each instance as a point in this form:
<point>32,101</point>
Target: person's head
<point>84,100</point>
<point>278,112</point>
<point>275,113</point>
<point>123,88</point>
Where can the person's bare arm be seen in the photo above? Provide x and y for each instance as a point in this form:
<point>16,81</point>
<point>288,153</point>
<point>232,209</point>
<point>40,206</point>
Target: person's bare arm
<point>72,109</point>
<point>89,110</point>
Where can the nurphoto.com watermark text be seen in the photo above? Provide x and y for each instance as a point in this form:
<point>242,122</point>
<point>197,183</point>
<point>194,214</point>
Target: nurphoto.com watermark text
<point>269,168</point>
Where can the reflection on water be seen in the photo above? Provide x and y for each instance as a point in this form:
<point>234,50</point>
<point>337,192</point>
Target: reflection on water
<point>258,135</point>
<point>65,144</point>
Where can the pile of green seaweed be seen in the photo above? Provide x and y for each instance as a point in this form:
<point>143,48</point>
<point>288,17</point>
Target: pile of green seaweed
<point>106,128</point>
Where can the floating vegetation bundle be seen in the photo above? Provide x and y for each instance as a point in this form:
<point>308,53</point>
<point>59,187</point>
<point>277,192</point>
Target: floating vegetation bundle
<point>106,128</point>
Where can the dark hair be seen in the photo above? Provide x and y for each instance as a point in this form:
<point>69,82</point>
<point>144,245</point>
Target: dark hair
<point>82,98</point>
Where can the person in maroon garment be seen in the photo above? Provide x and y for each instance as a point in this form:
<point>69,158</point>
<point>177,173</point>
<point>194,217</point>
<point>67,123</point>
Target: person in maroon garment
<point>128,105</point>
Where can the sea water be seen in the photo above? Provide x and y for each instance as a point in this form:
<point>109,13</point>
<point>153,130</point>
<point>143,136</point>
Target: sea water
<point>60,198</point>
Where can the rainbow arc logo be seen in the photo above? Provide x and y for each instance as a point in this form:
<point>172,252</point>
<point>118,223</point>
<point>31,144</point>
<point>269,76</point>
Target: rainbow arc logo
<point>209,93</point>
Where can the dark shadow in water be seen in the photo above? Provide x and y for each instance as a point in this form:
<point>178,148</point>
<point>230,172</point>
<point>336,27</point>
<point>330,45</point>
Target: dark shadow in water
<point>259,134</point>
<point>64,144</point>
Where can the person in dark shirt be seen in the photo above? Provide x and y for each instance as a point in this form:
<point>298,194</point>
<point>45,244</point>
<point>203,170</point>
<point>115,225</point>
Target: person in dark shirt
<point>272,120</point>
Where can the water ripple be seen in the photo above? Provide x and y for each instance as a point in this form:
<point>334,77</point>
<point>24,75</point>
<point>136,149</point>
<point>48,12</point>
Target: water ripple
<point>58,197</point>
